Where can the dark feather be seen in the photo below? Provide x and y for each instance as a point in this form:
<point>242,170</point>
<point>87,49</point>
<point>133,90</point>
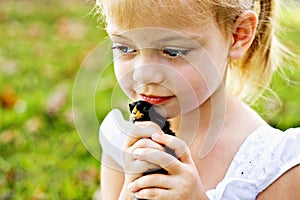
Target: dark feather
<point>149,114</point>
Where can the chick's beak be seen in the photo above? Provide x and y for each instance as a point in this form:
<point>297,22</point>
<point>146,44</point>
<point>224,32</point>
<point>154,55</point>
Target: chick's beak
<point>136,114</point>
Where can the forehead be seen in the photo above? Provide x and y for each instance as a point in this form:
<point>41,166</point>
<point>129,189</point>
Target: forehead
<point>172,14</point>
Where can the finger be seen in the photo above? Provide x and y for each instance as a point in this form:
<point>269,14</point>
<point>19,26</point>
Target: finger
<point>140,166</point>
<point>140,130</point>
<point>146,143</point>
<point>137,130</point>
<point>153,193</point>
<point>179,146</point>
<point>161,158</point>
<point>153,180</point>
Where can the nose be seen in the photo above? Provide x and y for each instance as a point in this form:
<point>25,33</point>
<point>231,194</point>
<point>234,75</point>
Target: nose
<point>148,73</point>
<point>147,69</point>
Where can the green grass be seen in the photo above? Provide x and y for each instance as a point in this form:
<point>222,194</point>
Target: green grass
<point>42,46</point>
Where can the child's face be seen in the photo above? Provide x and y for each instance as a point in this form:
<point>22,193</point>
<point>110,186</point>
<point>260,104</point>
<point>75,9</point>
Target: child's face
<point>177,69</point>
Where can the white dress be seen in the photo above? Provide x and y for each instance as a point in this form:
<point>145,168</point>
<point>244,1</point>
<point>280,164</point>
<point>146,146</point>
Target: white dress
<point>264,156</point>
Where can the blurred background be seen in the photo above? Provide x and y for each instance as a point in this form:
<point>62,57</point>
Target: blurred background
<point>42,46</point>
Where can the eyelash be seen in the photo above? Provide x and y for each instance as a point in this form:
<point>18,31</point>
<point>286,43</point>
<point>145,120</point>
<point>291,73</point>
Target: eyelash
<point>175,53</point>
<point>168,52</point>
<point>124,49</point>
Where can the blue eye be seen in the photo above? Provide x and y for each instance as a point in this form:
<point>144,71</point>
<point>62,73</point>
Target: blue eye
<point>175,53</point>
<point>125,49</point>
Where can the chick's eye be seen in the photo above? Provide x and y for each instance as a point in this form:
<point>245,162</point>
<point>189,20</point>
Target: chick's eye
<point>124,49</point>
<point>174,53</point>
<point>145,109</point>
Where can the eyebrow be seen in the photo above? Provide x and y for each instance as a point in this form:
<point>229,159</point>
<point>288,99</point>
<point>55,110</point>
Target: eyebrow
<point>115,35</point>
<point>195,38</point>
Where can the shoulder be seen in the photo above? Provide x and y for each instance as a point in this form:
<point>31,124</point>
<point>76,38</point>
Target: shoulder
<point>285,187</point>
<point>287,184</point>
<point>267,162</point>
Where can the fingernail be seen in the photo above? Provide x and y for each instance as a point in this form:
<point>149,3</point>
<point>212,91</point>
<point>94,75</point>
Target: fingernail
<point>155,136</point>
<point>136,196</point>
<point>130,186</point>
<point>136,153</point>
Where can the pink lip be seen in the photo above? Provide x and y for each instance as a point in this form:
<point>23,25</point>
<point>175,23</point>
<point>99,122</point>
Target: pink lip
<point>155,99</point>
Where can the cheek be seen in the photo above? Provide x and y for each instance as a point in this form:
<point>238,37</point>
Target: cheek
<point>189,88</point>
<point>120,70</point>
<point>207,74</point>
<point>195,91</point>
<point>196,83</point>
<point>123,74</point>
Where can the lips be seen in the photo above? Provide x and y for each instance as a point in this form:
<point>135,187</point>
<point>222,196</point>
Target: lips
<point>155,99</point>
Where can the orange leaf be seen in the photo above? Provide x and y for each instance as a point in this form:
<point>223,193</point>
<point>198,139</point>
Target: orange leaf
<point>8,98</point>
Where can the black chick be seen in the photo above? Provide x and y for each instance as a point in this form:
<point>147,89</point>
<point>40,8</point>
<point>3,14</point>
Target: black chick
<point>144,111</point>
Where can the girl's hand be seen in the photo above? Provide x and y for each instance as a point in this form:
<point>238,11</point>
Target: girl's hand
<point>138,138</point>
<point>183,180</point>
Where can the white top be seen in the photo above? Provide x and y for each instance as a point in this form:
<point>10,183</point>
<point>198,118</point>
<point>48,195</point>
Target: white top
<point>265,155</point>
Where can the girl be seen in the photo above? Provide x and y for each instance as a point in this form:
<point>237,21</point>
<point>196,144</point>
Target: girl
<point>179,55</point>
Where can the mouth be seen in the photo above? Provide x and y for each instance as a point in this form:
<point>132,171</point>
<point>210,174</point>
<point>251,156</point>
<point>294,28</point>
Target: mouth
<point>155,100</point>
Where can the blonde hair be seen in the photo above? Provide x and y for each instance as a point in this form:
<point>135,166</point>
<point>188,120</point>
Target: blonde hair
<point>247,77</point>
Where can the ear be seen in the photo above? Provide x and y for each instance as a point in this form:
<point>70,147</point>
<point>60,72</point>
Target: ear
<point>244,33</point>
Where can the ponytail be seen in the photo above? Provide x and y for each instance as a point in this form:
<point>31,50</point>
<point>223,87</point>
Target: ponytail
<point>263,40</point>
<point>253,71</point>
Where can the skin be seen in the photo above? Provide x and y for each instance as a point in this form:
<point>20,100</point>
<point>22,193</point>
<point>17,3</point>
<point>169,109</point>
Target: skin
<point>146,70</point>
